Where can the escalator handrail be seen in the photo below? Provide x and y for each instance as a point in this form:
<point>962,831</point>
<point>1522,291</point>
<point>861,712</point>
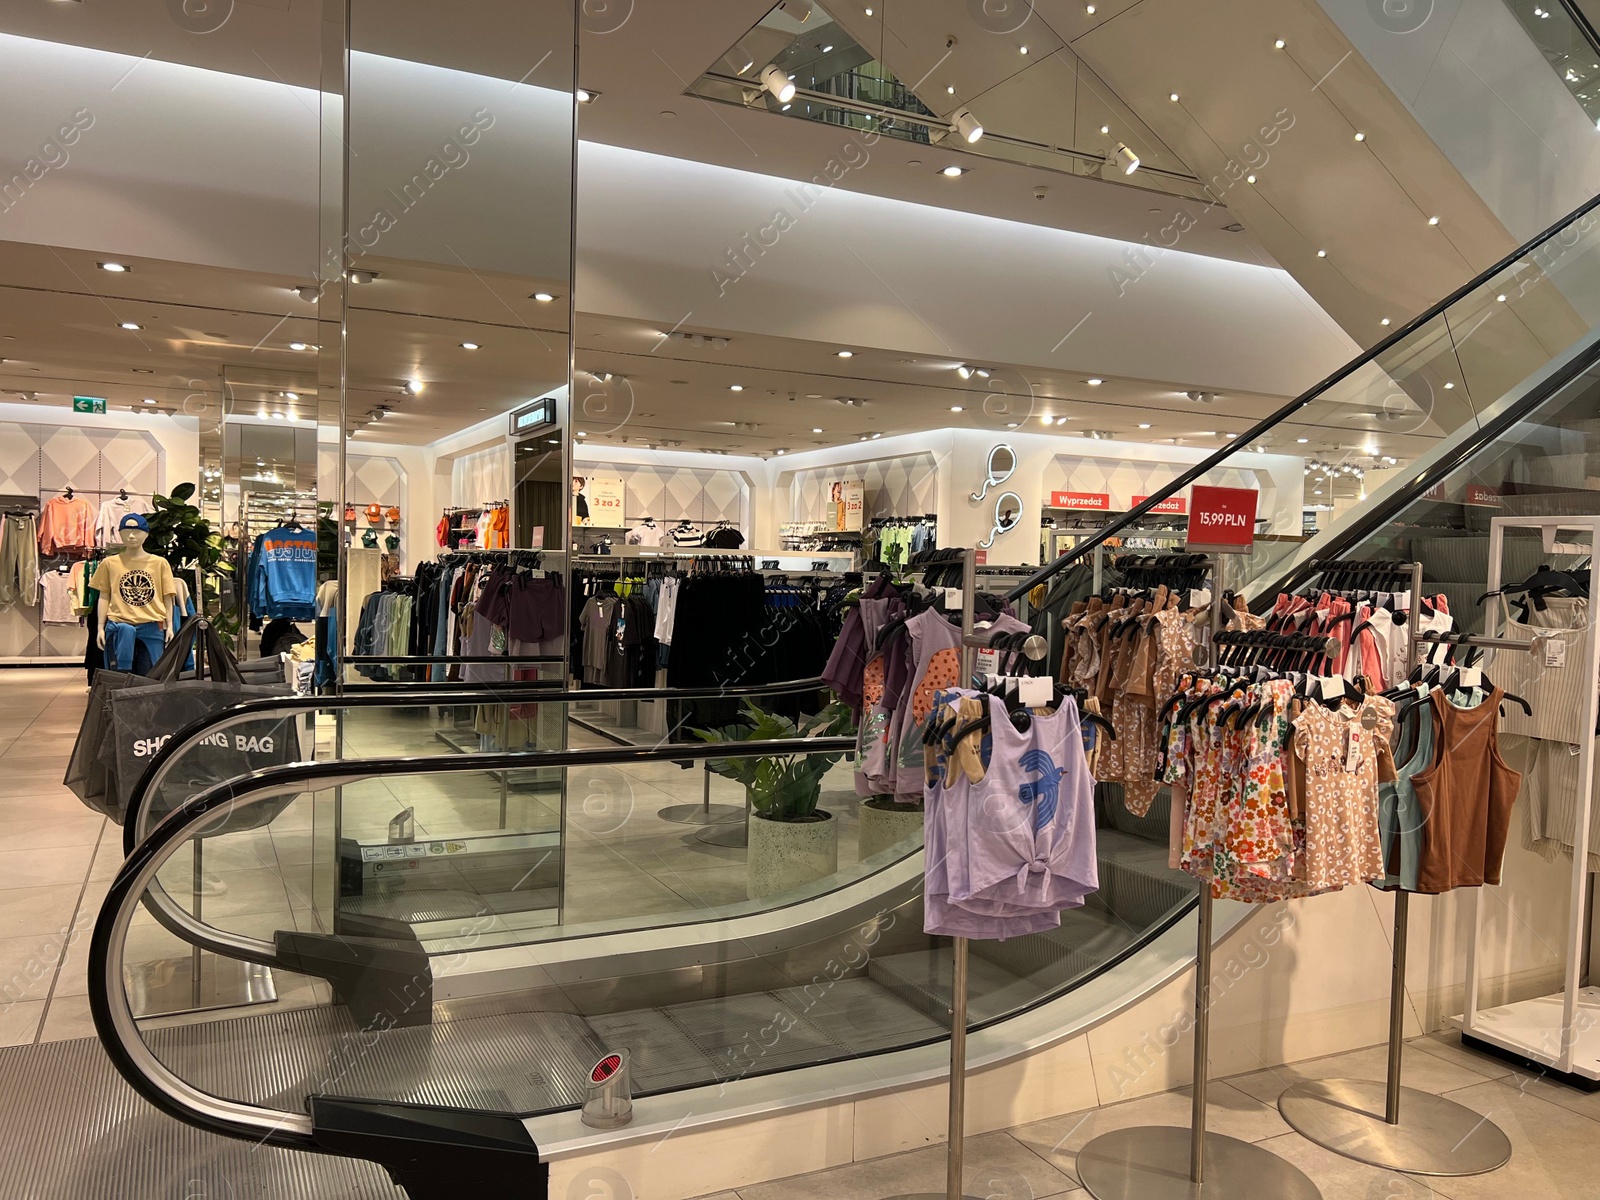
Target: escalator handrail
<point>1167,491</point>
<point>108,995</point>
<point>510,692</point>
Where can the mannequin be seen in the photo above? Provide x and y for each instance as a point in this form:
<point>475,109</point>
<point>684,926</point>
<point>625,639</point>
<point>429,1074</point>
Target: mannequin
<point>133,617</point>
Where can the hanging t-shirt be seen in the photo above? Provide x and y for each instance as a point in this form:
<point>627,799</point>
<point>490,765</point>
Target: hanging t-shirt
<point>724,538</point>
<point>139,592</point>
<point>645,535</point>
<point>58,598</point>
<point>111,512</point>
<point>687,535</point>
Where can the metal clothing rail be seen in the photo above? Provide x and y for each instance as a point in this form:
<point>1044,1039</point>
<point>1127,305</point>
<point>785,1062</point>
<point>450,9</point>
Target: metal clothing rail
<point>1363,1120</point>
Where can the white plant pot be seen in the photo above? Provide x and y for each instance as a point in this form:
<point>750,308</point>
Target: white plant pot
<point>882,828</point>
<point>790,854</point>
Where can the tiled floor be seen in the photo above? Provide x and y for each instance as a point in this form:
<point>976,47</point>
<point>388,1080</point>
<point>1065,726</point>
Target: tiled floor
<point>1554,1132</point>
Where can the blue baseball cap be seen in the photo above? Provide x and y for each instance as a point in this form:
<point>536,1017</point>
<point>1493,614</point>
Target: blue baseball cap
<point>134,521</point>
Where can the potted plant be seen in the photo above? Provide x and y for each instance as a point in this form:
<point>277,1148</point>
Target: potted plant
<point>885,823</point>
<point>792,841</point>
<point>182,536</point>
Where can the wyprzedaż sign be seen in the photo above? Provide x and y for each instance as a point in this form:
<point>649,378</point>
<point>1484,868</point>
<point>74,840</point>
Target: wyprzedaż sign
<point>1083,501</point>
<point>1172,504</point>
<point>1222,520</point>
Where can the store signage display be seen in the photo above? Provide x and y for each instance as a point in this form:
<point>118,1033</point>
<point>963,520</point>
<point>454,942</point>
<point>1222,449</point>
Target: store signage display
<point>847,505</point>
<point>1222,520</point>
<point>598,500</point>
<point>1082,501</point>
<point>535,417</point>
<point>1172,504</point>
<point>1483,496</point>
<point>89,404</point>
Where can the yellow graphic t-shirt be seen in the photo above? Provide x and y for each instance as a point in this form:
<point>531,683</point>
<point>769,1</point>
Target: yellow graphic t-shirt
<point>137,594</point>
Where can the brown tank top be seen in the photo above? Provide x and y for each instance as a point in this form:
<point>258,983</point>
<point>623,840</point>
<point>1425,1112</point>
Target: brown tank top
<point>1465,796</point>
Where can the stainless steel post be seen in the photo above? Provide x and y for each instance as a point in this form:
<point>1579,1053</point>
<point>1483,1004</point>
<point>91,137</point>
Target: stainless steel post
<point>1397,1007</point>
<point>194,954</point>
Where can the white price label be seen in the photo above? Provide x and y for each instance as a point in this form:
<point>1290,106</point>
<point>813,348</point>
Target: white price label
<point>1035,691</point>
<point>1555,652</point>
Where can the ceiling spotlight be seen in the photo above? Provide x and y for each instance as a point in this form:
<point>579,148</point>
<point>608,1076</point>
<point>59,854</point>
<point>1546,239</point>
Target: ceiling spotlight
<point>306,292</point>
<point>148,400</point>
<point>950,89</point>
<point>1278,45</point>
<point>469,345</point>
<point>845,353</point>
<point>582,433</point>
<point>967,126</point>
<point>816,429</point>
<point>1012,424</point>
<point>1433,220</point>
<point>777,82</point>
<point>1089,9</point>
<point>129,325</point>
<point>291,395</point>
<point>1201,397</point>
<point>114,267</point>
<point>876,436</point>
<point>277,416</point>
<point>1501,298</point>
<point>363,276</point>
<point>1449,386</point>
<point>1173,96</point>
<point>780,452</point>
<point>1047,420</point>
<point>952,172</point>
<point>1322,254</point>
<point>1125,159</point>
<point>299,346</point>
<point>1361,137</point>
<point>955,408</point>
<point>964,371</point>
<point>1094,382</point>
<point>1105,129</point>
<point>736,387</point>
<point>1249,178</point>
<point>542,297</point>
<point>414,386</point>
<point>585,96</point>
<point>1302,441</point>
<point>1385,321</point>
<point>1144,424</point>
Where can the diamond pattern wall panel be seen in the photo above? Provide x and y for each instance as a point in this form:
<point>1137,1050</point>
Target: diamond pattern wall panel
<point>375,480</point>
<point>40,460</point>
<point>895,487</point>
<point>672,494</point>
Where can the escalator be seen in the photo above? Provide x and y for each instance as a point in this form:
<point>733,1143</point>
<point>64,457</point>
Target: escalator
<point>453,1031</point>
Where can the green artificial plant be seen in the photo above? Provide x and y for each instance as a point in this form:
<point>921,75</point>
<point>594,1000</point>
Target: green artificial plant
<point>182,536</point>
<point>781,787</point>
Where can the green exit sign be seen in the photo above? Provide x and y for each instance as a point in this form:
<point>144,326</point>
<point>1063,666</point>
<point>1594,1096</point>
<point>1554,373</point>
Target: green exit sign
<point>89,404</point>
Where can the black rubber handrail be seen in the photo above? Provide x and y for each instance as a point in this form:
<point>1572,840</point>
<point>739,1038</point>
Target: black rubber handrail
<point>511,692</point>
<point>1236,445</point>
<point>108,1001</point>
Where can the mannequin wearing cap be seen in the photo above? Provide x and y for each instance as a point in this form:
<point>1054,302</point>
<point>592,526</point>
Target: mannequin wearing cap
<point>136,589</point>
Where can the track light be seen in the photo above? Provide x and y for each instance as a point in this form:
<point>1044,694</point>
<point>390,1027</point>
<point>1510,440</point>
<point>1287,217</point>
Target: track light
<point>414,386</point>
<point>967,126</point>
<point>306,292</point>
<point>964,371</point>
<point>363,276</point>
<point>1127,161</point>
<point>778,83</point>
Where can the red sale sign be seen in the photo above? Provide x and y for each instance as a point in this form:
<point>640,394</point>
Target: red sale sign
<point>1082,501</point>
<point>1222,520</point>
<point>1172,504</point>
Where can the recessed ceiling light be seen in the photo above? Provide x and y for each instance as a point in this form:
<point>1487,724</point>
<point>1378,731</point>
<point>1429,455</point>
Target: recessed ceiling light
<point>950,89</point>
<point>1322,254</point>
<point>581,433</point>
<point>1433,220</point>
<point>129,325</point>
<point>363,276</point>
<point>1105,129</point>
<point>1144,425</point>
<point>1361,137</point>
<point>846,353</point>
<point>1249,178</point>
<point>585,96</point>
<point>876,436</point>
<point>1012,424</point>
<point>114,267</point>
<point>299,346</point>
<point>816,429</point>
<point>414,386</point>
<point>1047,420</point>
<point>1094,382</point>
<point>955,408</point>
<point>1501,298</point>
<point>1302,441</point>
<point>780,452</point>
<point>1385,321</point>
<point>1022,49</point>
<point>952,172</point>
<point>1173,96</point>
<point>1089,9</point>
<point>1449,386</point>
<point>148,400</point>
<point>469,345</point>
<point>291,395</point>
<point>1278,45</point>
<point>542,297</point>
<point>277,416</point>
<point>827,49</point>
<point>736,387</point>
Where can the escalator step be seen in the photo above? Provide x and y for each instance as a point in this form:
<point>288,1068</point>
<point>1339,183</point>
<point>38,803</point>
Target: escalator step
<point>663,1055</point>
<point>922,979</point>
<point>860,1014</point>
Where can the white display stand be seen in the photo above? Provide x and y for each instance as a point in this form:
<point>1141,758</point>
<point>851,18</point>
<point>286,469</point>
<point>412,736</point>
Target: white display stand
<point>1558,1032</point>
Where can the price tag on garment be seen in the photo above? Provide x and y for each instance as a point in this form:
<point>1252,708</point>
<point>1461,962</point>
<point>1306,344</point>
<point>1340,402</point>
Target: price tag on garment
<point>1471,677</point>
<point>1354,745</point>
<point>952,598</point>
<point>1332,686</point>
<point>1199,598</point>
<point>1555,652</point>
<point>1035,691</point>
<point>1369,717</point>
<point>988,662</point>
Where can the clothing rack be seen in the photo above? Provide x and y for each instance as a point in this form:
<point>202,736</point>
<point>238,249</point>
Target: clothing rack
<point>1147,1163</point>
<point>1436,1136</point>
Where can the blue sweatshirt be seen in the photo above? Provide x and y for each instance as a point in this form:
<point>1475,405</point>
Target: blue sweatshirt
<point>283,574</point>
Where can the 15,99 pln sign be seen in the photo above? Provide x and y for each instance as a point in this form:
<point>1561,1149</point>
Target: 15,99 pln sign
<point>1222,520</point>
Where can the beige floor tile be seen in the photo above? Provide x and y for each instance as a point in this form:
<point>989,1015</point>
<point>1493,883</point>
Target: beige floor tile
<point>19,1023</point>
<point>36,911</point>
<point>1555,1152</point>
<point>40,833</point>
<point>28,966</point>
<point>1231,1112</point>
<point>709,887</point>
<point>1418,1069</point>
<point>68,1017</point>
<point>1448,1047</point>
<point>39,868</point>
<point>997,1165</point>
<point>1340,1178</point>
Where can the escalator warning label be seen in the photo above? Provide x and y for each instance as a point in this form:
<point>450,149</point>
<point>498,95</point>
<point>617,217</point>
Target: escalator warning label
<point>435,847</point>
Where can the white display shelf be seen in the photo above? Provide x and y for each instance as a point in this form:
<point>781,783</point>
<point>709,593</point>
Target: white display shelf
<point>1531,1028</point>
